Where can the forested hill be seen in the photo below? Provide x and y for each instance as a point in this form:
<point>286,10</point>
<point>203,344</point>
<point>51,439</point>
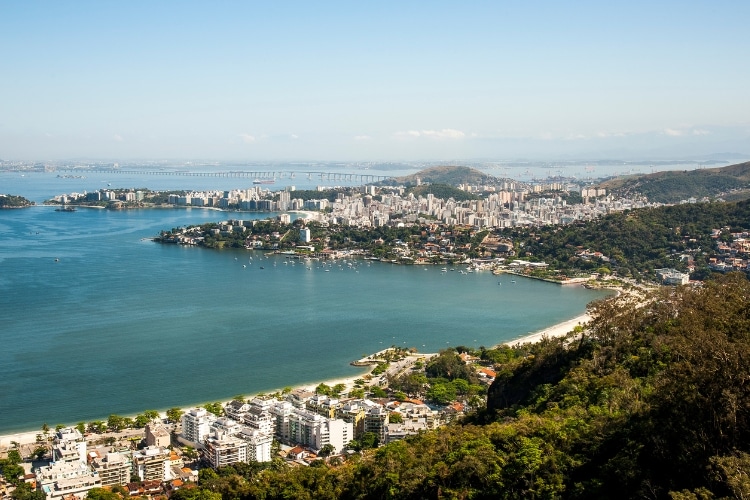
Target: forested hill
<point>442,191</point>
<point>638,241</point>
<point>730,182</point>
<point>652,401</point>
<point>450,175</point>
<point>11,201</point>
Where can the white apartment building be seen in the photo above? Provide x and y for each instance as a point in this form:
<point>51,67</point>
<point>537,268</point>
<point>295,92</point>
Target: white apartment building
<point>152,463</point>
<point>65,478</point>
<point>196,425</point>
<point>113,468</point>
<point>69,445</point>
<point>315,431</point>
<point>258,444</point>
<point>221,450</point>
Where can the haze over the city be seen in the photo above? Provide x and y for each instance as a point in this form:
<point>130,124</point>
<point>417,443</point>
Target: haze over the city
<point>259,81</point>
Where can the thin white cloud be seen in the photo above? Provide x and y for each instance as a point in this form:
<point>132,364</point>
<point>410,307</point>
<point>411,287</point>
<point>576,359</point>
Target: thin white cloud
<point>362,137</point>
<point>247,138</point>
<point>698,131</point>
<point>407,134</point>
<point>575,137</point>
<point>671,132</point>
<point>446,133</point>
<point>442,134</point>
<point>603,134</point>
<point>118,138</point>
<point>294,136</point>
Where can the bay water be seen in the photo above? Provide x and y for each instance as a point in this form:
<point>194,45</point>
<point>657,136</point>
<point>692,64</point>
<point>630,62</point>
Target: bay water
<point>95,318</point>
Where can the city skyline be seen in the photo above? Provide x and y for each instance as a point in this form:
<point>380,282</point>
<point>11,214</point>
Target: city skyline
<point>440,81</point>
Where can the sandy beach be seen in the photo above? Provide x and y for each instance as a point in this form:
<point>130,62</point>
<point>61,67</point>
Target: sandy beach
<point>558,330</point>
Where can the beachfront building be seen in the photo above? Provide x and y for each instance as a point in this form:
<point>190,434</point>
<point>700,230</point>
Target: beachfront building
<point>112,468</point>
<point>258,444</point>
<point>323,405</point>
<point>152,463</point>
<point>69,445</point>
<point>221,450</point>
<point>157,435</point>
<point>60,479</point>
<point>315,431</point>
<point>236,409</point>
<point>280,413</point>
<point>259,417</point>
<point>299,397</point>
<point>196,425</point>
<point>230,442</point>
<point>354,412</point>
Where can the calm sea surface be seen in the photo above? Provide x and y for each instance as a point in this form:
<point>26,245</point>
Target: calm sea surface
<point>97,319</point>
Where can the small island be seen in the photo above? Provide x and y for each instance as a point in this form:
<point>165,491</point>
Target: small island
<point>13,201</point>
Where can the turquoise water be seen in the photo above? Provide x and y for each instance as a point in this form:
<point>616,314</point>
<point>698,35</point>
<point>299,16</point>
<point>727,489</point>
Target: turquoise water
<point>97,319</point>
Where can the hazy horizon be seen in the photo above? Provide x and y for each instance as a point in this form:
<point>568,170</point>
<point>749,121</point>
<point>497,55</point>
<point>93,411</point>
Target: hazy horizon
<point>439,81</point>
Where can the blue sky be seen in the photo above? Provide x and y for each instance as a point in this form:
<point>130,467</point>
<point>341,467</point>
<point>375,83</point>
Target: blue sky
<point>373,80</point>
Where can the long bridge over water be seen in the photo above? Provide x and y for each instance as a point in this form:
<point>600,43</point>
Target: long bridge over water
<point>260,175</point>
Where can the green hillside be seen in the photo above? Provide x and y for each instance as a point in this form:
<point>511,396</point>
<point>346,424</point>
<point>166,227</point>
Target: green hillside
<point>450,175</point>
<point>12,201</point>
<point>637,241</point>
<point>672,186</point>
<point>442,191</point>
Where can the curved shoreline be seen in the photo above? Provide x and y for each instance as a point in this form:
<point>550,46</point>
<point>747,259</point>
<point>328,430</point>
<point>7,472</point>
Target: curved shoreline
<point>557,330</point>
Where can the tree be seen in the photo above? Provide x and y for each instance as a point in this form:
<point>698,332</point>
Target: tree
<point>214,408</point>
<point>114,423</point>
<point>40,452</point>
<point>97,426</point>
<point>327,450</point>
<point>141,420</point>
<point>13,473</point>
<point>369,440</point>
<point>378,392</point>
<point>102,494</point>
<point>151,415</point>
<point>323,389</point>
<point>23,491</point>
<point>395,418</point>
<point>190,453</point>
<point>441,393</point>
<point>81,427</point>
<point>174,414</point>
<point>195,494</point>
<point>14,456</point>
